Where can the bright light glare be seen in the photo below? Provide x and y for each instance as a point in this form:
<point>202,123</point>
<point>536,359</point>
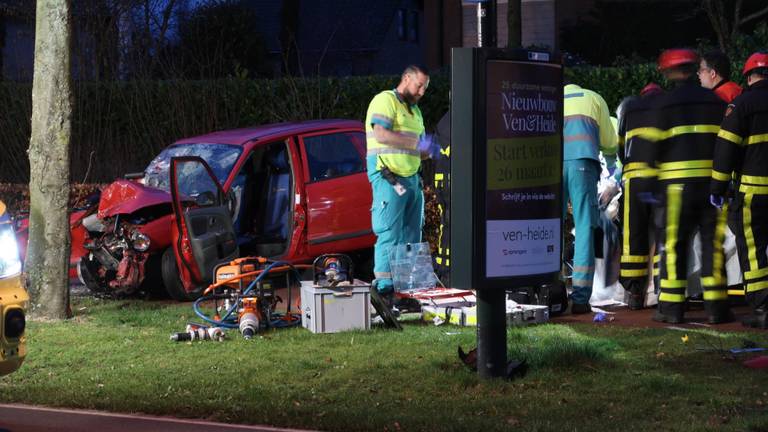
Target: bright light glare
<point>10,264</point>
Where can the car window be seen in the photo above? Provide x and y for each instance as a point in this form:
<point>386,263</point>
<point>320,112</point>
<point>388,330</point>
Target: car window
<point>194,183</point>
<point>335,155</point>
<point>220,157</point>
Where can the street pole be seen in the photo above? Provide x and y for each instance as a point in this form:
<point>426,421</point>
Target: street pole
<point>491,303</point>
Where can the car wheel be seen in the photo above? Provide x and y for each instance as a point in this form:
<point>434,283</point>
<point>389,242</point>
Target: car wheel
<point>87,272</point>
<point>173,285</point>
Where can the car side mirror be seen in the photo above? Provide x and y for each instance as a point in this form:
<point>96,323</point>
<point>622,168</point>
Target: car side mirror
<point>205,199</point>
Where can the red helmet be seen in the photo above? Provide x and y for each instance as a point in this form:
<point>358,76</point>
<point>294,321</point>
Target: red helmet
<point>676,57</point>
<point>756,60</point>
<point>650,88</point>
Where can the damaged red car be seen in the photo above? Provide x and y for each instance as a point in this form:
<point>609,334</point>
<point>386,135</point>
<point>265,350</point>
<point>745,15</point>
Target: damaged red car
<point>289,191</point>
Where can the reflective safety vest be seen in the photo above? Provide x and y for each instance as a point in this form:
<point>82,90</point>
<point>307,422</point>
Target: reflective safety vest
<point>587,127</point>
<point>742,143</point>
<point>389,111</point>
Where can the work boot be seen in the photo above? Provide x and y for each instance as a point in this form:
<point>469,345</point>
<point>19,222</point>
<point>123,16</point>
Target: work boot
<point>636,296</point>
<point>718,312</point>
<point>580,308</point>
<point>670,313</point>
<point>759,317</point>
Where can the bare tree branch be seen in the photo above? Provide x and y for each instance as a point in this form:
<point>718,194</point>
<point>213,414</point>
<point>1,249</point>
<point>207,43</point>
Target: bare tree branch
<point>755,15</point>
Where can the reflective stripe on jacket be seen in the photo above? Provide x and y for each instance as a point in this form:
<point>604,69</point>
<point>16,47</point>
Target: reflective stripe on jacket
<point>587,128</point>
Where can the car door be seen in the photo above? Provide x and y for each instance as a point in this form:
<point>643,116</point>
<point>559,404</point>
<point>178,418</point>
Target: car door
<point>203,233</point>
<point>337,190</point>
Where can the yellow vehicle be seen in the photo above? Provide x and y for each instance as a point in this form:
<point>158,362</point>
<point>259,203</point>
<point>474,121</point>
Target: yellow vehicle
<point>14,299</point>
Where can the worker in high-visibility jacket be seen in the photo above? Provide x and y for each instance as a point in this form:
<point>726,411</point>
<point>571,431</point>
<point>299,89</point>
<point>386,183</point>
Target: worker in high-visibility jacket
<point>587,130</point>
<point>741,157</point>
<point>685,125</point>
<point>396,143</point>
<point>637,216</point>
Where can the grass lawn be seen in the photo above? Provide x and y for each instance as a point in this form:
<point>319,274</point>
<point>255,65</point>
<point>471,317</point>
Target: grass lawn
<point>116,356</point>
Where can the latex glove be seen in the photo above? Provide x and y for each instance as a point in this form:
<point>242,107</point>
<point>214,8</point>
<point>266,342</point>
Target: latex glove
<point>717,200</point>
<point>648,198</point>
<point>428,144</point>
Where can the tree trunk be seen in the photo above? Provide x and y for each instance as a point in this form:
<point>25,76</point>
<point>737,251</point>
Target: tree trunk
<point>514,24</point>
<point>47,261</point>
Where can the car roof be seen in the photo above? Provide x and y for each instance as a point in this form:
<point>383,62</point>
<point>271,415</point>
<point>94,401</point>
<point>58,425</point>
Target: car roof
<point>270,131</point>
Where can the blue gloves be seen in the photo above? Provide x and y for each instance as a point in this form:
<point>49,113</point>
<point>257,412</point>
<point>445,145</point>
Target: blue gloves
<point>615,173</point>
<point>717,201</point>
<point>428,144</point>
<point>648,198</point>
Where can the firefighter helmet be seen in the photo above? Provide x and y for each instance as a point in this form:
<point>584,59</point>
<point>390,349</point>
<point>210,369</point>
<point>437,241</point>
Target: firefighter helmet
<point>676,57</point>
<point>756,60</point>
<point>650,88</point>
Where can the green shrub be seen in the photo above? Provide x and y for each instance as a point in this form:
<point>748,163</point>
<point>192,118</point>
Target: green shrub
<point>119,126</point>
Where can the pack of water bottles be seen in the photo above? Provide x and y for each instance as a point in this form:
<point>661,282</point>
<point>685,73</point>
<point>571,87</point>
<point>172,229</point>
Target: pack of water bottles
<point>411,265</point>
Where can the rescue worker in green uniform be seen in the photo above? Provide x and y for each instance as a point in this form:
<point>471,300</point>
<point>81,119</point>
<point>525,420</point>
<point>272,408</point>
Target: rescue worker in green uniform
<point>741,156</point>
<point>684,128</point>
<point>635,114</point>
<point>587,130</point>
<point>396,143</point>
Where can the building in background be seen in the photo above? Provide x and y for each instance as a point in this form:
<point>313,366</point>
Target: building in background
<point>302,37</point>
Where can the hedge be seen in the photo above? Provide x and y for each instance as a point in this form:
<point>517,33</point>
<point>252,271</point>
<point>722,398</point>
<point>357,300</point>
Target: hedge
<point>119,126</point>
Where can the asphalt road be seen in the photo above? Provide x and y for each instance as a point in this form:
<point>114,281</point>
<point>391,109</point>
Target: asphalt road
<point>26,418</point>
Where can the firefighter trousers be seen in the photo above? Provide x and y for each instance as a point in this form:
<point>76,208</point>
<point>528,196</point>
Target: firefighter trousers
<point>748,219</point>
<point>580,178</point>
<point>638,235</point>
<point>395,219</point>
<point>686,208</point>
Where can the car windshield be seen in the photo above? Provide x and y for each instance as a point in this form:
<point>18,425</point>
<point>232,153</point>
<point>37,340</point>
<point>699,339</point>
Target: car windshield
<point>220,157</point>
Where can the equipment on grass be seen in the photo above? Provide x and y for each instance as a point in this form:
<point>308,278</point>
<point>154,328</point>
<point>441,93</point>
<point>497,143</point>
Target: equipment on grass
<point>245,300</point>
<point>199,332</point>
<point>332,269</point>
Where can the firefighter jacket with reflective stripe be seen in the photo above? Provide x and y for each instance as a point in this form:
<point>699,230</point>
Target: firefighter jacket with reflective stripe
<point>638,149</point>
<point>587,128</point>
<point>742,143</point>
<point>388,110</point>
<point>685,125</point>
<point>727,90</point>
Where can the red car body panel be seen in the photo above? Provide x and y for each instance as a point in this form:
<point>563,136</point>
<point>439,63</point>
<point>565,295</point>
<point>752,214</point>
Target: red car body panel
<point>78,237</point>
<point>328,216</point>
<point>125,197</point>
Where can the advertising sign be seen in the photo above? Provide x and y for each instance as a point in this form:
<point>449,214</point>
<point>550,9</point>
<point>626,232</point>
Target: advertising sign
<point>523,165</point>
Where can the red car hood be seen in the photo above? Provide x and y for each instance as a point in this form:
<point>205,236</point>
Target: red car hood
<point>125,197</point>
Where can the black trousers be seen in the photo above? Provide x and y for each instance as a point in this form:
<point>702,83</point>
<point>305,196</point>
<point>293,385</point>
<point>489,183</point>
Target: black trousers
<point>748,219</point>
<point>686,208</point>
<point>638,234</point>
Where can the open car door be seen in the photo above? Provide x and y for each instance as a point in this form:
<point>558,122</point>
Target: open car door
<point>203,235</point>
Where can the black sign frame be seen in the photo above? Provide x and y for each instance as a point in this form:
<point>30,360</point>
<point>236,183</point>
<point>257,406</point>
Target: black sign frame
<point>470,89</point>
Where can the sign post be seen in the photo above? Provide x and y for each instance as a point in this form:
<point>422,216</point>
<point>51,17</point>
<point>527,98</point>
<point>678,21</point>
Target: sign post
<point>506,166</point>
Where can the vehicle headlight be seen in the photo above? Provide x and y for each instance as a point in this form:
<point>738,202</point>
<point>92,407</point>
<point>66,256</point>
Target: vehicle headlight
<point>10,264</point>
<point>140,241</point>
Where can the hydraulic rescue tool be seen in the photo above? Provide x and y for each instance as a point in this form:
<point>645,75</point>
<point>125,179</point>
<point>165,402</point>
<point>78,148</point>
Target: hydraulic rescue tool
<point>244,297</point>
